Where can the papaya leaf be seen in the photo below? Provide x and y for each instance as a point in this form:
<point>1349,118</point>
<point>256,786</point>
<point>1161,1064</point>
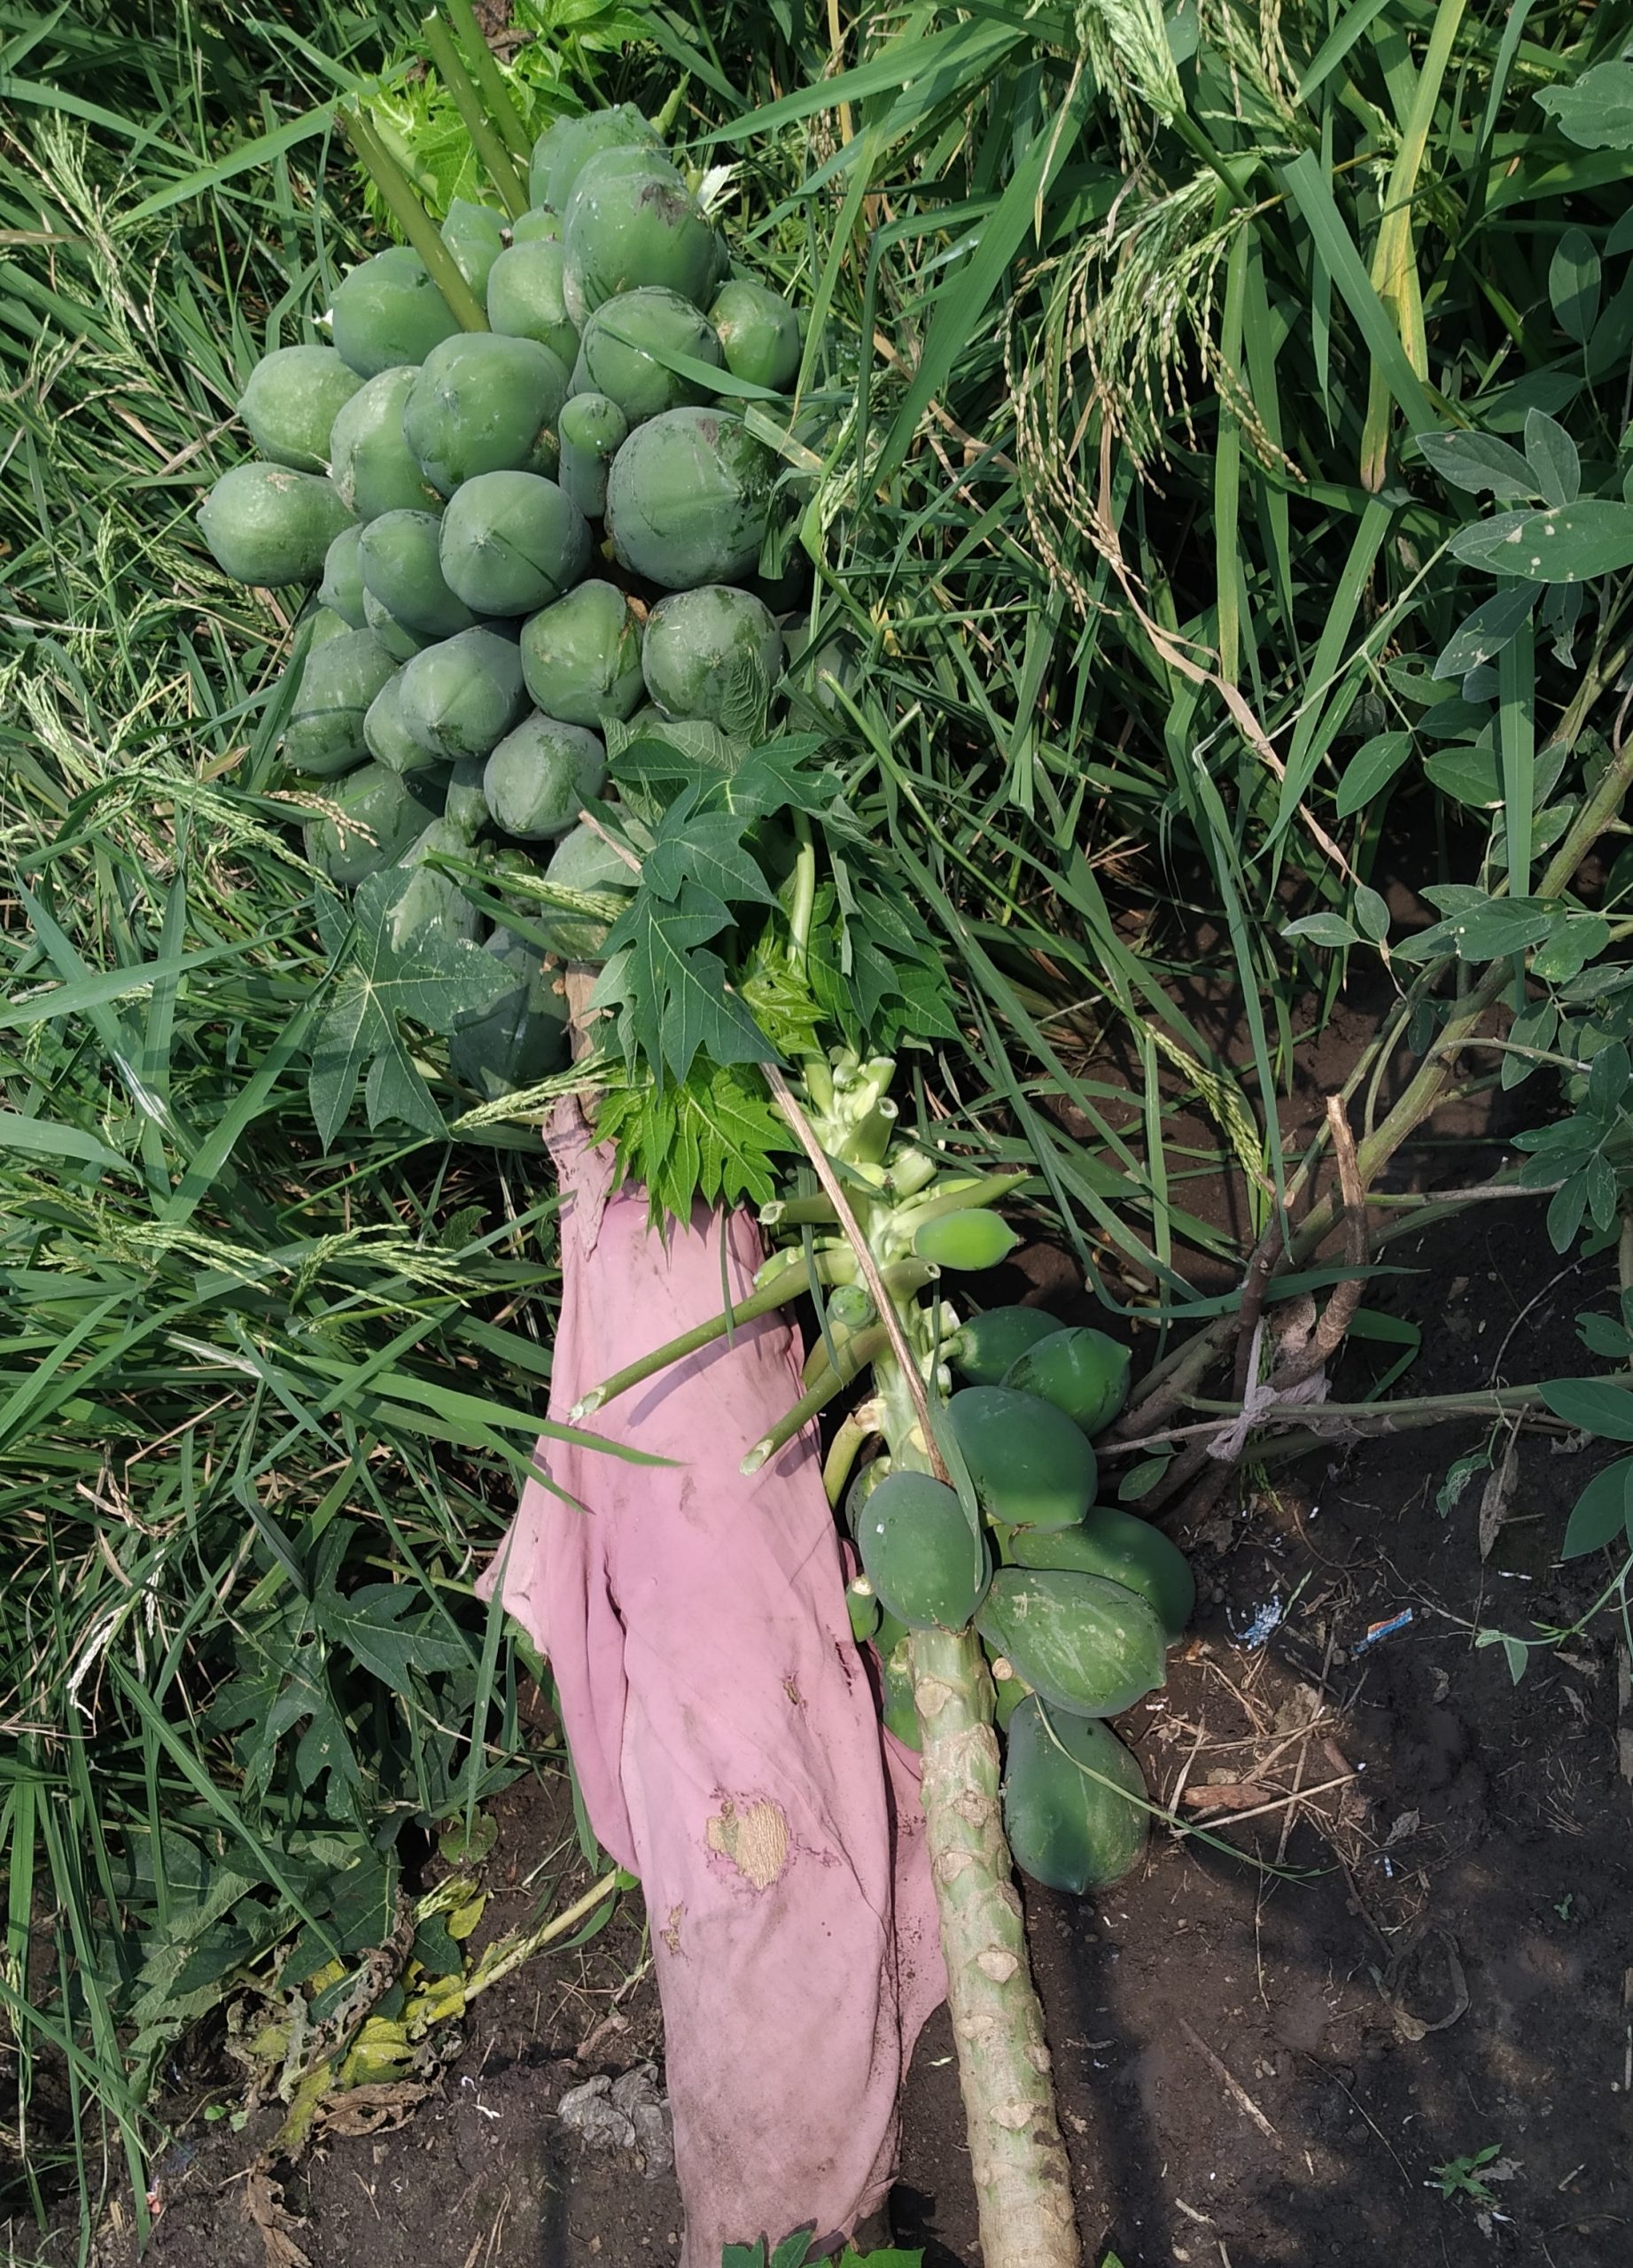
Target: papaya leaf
<point>672,992</point>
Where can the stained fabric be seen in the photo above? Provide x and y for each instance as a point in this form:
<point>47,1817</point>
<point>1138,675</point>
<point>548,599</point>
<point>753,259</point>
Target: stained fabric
<point>722,1726</point>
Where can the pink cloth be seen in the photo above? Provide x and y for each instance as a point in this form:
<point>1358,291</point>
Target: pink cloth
<point>723,1729</point>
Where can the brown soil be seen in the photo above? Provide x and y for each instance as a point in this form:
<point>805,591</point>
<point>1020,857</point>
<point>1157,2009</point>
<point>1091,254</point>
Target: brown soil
<point>1255,2068</point>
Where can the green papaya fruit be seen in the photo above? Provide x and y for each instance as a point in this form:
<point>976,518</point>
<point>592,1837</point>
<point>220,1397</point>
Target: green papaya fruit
<point>971,1238</point>
<point>513,542</point>
<point>1082,1371</point>
<point>290,402</point>
<point>1084,1644</point>
<point>401,567</point>
<point>460,698</point>
<point>324,734</point>
<point>582,862</point>
<point>265,524</point>
<point>592,430</point>
<point>388,313</point>
<point>483,404</point>
<point>920,1553</point>
<point>759,333</point>
<point>623,345</point>
<point>567,145</point>
<point>688,498</point>
<point>901,1715</point>
<point>374,469</point>
<point>432,899</point>
<point>537,777</point>
<point>1073,1800</point>
<point>326,624</point>
<point>1031,1466</point>
<point>400,642</point>
<point>988,1343</point>
<point>475,234</point>
<point>519,1040</point>
<point>382,814</point>
<point>631,220</point>
<point>341,590</point>
<point>466,806</point>
<point>525,296</point>
<point>1123,1548</point>
<point>539,224</point>
<point>714,652</point>
<point>581,657</point>
<point>388,738</point>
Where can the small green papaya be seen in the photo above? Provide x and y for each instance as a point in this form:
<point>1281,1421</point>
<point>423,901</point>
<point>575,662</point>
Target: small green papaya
<point>341,590</point>
<point>460,698</point>
<point>625,343</point>
<point>1074,1800</point>
<point>268,526</point>
<point>972,1239</point>
<point>525,296</point>
<point>631,220</point>
<point>388,313</point>
<point>475,234</point>
<point>1031,1466</point>
<point>537,777</point>
<point>1084,1644</point>
<point>483,404</point>
<point>519,1040</point>
<point>400,564</point>
<point>539,224</point>
<point>985,1347</point>
<point>326,624</point>
<point>373,466</point>
<point>714,652</point>
<point>585,862</point>
<point>381,814</point>
<point>388,738</point>
<point>290,401</point>
<point>759,333</point>
<point>1082,1371</point>
<point>324,735</point>
<point>466,806</point>
<point>581,657</point>
<point>432,900</point>
<point>567,145</point>
<point>592,430</point>
<point>513,542</point>
<point>688,498</point>
<point>400,642</point>
<point>928,1567</point>
<point>1123,1548</point>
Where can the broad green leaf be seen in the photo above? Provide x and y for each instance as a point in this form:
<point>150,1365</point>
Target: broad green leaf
<point>1469,775</point>
<point>1479,462</point>
<point>370,1623</point>
<point>1596,112</point>
<point>1580,938</point>
<point>673,990</point>
<point>1594,1405</point>
<point>1603,1513</point>
<point>1487,631</point>
<point>1323,929</point>
<point>1371,769</point>
<point>1552,456</point>
<point>1574,284</point>
<point>706,850</point>
<point>1593,536</point>
<point>1372,912</point>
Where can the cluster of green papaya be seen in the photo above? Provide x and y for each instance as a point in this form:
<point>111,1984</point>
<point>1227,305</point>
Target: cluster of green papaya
<point>1076,1604</point>
<point>519,535</point>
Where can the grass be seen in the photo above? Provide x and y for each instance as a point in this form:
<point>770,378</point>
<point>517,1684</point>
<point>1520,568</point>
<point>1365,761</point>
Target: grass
<point>1114,362</point>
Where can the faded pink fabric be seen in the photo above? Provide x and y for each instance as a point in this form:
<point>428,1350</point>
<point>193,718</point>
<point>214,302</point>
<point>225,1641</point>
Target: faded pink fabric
<point>723,1729</point>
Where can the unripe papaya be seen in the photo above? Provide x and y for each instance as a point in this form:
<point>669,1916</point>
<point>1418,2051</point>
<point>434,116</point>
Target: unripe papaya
<point>461,697</point>
<point>521,1038</point>
<point>341,590</point>
<point>374,469</point>
<point>400,642</point>
<point>513,542</point>
<point>466,806</point>
<point>290,401</point>
<point>539,224</point>
<point>1068,1828</point>
<point>581,657</point>
<point>1081,1372</point>
<point>759,333</point>
<point>971,1240</point>
<point>585,862</point>
<point>1031,1466</point>
<point>631,220</point>
<point>1084,1644</point>
<point>1123,1548</point>
<point>538,777</point>
<point>714,652</point>
<point>567,145</point>
<point>525,296</point>
<point>688,497</point>
<point>592,430</point>
<point>432,900</point>
<point>401,566</point>
<point>927,1565</point>
<point>622,345</point>
<point>388,738</point>
<point>863,1605</point>
<point>383,814</point>
<point>475,236</point>
<point>388,313</point>
<point>984,1349</point>
<point>265,524</point>
<point>324,735</point>
<point>483,404</point>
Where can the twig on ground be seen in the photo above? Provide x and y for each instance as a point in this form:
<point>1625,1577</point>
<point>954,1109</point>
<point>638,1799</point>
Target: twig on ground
<point>1228,2080</point>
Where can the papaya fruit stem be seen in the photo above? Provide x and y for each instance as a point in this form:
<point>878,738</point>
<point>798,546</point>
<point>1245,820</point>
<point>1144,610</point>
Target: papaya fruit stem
<point>789,1285</point>
<point>501,166</point>
<point>397,194</point>
<point>796,1212</point>
<point>991,1189</point>
<point>854,1357</point>
<point>855,1429</point>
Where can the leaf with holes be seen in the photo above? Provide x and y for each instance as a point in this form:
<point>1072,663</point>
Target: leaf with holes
<point>1593,536</point>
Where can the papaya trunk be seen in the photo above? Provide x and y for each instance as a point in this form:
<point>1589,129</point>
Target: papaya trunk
<point>1018,2159</point>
